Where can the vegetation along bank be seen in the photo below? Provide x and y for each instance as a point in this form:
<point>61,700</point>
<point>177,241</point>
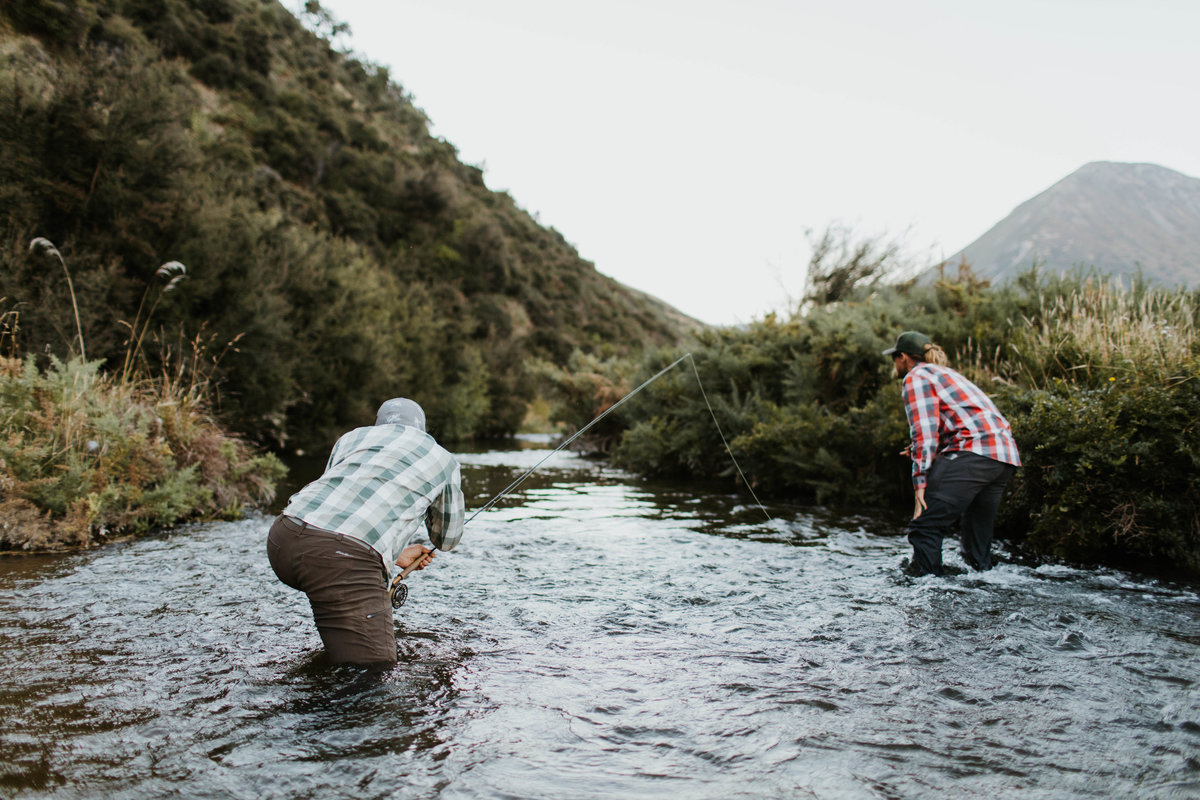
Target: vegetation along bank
<point>339,253</point>
<point>85,457</point>
<point>1101,383</point>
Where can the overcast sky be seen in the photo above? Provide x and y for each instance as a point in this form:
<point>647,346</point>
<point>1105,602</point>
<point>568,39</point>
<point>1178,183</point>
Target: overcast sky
<point>686,148</point>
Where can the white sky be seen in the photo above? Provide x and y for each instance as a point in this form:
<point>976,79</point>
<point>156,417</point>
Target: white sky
<point>686,147</point>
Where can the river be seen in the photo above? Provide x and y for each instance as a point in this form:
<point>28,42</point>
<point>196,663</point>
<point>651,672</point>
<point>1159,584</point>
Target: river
<point>597,636</point>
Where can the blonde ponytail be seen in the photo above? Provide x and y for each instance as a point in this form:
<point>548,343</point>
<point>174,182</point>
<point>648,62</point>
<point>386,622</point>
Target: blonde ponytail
<point>935,355</point>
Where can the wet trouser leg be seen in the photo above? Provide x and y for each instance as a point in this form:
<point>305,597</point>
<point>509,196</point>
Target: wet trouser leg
<point>979,520</point>
<point>960,487</point>
<point>346,584</point>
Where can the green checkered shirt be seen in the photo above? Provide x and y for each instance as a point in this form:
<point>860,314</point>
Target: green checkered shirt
<point>380,483</point>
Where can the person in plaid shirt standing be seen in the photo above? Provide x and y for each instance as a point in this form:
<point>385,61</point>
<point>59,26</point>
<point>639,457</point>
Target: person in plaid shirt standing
<point>338,535</point>
<point>962,451</point>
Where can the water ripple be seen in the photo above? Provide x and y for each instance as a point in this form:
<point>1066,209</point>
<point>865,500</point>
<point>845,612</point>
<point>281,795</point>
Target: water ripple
<point>598,636</point>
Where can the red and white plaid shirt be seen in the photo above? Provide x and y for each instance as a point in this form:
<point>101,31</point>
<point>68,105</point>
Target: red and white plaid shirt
<point>947,413</point>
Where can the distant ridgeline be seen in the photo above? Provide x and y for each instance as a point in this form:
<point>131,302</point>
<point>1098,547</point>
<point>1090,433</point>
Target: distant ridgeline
<point>356,256</point>
<point>1118,219</point>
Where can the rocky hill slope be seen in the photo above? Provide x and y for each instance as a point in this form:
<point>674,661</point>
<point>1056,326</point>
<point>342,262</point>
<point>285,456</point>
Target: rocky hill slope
<point>1114,217</point>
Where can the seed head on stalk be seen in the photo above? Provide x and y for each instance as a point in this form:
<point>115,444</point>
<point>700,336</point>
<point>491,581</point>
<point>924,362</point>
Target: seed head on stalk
<point>46,246</point>
<point>170,273</point>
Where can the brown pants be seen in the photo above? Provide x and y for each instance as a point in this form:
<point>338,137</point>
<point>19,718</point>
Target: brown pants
<point>346,584</point>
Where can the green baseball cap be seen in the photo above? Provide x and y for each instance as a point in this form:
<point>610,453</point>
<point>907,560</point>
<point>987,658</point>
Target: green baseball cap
<point>911,342</point>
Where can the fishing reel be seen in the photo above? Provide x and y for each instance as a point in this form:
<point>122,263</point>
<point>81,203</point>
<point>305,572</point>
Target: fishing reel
<point>398,591</point>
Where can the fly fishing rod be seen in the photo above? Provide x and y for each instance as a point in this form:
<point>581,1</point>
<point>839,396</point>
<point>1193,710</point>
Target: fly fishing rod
<point>399,591</point>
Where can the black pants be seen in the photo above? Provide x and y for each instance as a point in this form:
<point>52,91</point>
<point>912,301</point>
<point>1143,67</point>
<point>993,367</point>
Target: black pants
<point>960,487</point>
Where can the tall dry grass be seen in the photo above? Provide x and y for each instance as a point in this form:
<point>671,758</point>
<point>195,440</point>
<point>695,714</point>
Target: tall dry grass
<point>1099,332</point>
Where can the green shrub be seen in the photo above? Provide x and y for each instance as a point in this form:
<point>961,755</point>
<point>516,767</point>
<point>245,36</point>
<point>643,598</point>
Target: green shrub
<point>584,389</point>
<point>1111,475</point>
<point>1100,382</point>
<point>85,457</point>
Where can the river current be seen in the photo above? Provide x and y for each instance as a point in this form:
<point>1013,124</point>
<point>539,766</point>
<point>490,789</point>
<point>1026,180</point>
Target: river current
<point>596,636</point>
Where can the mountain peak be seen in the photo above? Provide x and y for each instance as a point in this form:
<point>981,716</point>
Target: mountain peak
<point>1112,216</point>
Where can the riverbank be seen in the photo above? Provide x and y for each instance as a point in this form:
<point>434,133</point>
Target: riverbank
<point>1101,383</point>
<point>86,457</point>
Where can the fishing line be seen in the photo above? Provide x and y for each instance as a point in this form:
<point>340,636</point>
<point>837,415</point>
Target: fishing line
<point>577,434</point>
<point>721,433</point>
<point>399,592</point>
<point>614,407</point>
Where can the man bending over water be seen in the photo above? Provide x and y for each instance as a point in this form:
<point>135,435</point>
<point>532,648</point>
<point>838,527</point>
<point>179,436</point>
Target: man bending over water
<point>337,535</point>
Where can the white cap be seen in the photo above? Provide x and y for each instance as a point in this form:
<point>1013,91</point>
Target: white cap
<point>401,411</point>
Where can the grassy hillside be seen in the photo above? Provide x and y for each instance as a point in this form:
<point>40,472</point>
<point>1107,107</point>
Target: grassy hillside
<point>336,252</point>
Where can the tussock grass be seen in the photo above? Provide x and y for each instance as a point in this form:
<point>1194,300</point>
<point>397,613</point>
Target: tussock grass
<point>1101,330</point>
<point>43,245</point>
<point>85,456</point>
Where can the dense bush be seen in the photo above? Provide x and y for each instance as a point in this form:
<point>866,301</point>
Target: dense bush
<point>1111,475</point>
<point>583,389</point>
<point>85,457</point>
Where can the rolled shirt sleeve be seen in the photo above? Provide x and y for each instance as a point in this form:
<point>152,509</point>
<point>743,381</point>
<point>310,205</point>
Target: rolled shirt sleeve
<point>446,515</point>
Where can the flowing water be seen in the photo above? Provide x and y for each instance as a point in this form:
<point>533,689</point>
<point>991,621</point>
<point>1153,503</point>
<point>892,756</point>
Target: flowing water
<point>594,636</point>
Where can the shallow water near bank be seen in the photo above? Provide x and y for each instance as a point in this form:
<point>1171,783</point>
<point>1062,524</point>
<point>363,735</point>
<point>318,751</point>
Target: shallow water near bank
<point>597,636</point>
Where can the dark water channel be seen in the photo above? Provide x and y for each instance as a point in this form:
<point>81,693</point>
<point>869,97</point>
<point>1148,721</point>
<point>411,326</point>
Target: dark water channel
<point>595,637</point>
